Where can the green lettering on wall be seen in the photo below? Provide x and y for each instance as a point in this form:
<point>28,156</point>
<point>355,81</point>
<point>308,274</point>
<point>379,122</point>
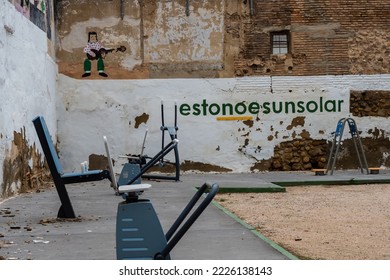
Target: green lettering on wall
<point>266,110</point>
<point>240,108</point>
<point>225,107</point>
<point>214,109</point>
<point>185,109</point>
<point>196,109</point>
<point>312,109</point>
<point>255,108</point>
<point>287,104</point>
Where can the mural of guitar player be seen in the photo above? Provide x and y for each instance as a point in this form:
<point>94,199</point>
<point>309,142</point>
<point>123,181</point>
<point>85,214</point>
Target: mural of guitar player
<point>95,51</point>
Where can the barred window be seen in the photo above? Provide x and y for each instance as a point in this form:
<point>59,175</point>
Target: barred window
<point>280,42</point>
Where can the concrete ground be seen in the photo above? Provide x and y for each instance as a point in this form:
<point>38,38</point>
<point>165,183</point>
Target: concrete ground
<point>29,228</point>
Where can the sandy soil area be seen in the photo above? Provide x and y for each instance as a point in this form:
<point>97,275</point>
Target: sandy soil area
<point>321,222</point>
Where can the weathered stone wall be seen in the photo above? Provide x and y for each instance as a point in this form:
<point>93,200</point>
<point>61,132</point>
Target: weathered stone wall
<point>374,103</point>
<point>305,154</point>
<point>302,154</point>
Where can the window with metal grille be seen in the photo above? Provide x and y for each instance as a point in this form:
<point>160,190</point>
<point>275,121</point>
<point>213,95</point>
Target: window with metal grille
<point>280,42</point>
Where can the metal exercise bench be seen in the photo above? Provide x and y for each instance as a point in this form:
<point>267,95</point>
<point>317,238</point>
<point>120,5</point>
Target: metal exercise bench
<point>132,172</point>
<point>139,234</point>
<point>59,177</point>
<point>144,160</point>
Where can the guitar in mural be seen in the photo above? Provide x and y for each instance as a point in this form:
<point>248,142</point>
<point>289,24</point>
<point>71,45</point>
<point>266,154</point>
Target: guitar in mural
<point>95,51</point>
<point>101,53</point>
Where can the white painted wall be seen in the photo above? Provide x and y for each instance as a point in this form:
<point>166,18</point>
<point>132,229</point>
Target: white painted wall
<point>27,79</point>
<point>87,110</point>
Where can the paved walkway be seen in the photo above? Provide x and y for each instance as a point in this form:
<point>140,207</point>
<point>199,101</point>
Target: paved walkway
<point>29,230</point>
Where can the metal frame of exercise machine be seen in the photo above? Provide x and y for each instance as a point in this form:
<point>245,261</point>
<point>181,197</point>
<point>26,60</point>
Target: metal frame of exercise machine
<point>139,234</point>
<point>144,160</point>
<point>132,172</point>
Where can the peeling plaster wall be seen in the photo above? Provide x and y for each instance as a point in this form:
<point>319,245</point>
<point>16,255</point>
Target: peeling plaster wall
<point>222,38</point>
<point>87,110</point>
<point>161,40</point>
<point>173,37</point>
<point>27,88</point>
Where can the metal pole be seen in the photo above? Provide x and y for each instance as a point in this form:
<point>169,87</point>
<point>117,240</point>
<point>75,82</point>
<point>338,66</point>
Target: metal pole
<point>175,118</point>
<point>187,8</point>
<point>162,126</point>
<point>122,9</point>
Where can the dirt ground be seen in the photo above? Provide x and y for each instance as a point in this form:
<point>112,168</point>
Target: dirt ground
<point>320,222</point>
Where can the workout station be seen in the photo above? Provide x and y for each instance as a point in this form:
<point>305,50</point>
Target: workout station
<point>144,160</point>
<point>139,234</point>
<point>335,148</point>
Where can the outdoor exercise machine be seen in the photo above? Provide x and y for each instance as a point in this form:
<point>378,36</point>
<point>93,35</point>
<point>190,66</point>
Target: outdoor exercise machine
<point>144,160</point>
<point>59,177</point>
<point>337,142</point>
<point>129,175</point>
<point>139,234</point>
<point>132,171</point>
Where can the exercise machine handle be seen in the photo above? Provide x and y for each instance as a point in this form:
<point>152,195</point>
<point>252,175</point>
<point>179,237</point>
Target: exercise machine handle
<point>174,239</point>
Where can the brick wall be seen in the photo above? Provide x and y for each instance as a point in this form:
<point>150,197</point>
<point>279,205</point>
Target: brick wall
<point>327,37</point>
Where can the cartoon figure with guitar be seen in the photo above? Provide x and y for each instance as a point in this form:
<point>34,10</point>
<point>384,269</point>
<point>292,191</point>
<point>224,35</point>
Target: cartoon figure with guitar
<point>95,51</point>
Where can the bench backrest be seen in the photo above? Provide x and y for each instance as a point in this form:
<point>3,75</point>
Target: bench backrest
<point>66,209</point>
<point>47,146</point>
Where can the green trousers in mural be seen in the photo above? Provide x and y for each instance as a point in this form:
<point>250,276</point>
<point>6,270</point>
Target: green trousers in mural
<point>88,65</point>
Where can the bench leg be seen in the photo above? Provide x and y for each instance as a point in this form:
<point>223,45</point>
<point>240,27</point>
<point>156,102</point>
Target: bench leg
<point>66,209</point>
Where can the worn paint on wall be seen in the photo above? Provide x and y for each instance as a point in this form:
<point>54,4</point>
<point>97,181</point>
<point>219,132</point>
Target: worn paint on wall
<point>141,119</point>
<point>287,113</point>
<point>27,85</point>
<point>226,38</point>
<point>23,168</point>
<point>196,45</point>
<point>160,39</point>
<point>202,167</point>
<point>98,162</point>
<point>376,152</point>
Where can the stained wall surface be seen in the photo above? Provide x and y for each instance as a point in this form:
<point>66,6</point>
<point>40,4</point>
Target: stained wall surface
<point>240,107</point>
<point>27,88</point>
<point>158,38</point>
<point>225,125</point>
<point>219,38</point>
